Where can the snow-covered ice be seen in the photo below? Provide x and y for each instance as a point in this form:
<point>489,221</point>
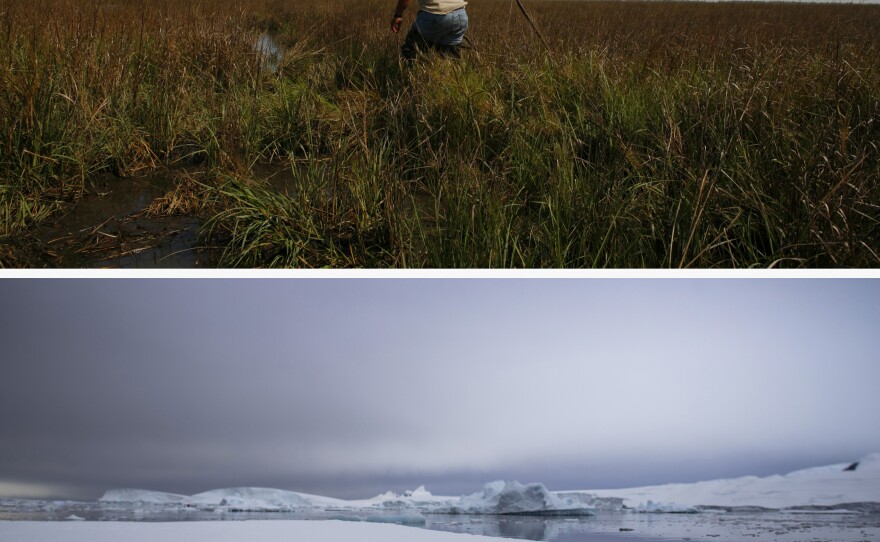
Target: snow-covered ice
<point>221,531</point>
<point>652,507</point>
<point>826,486</point>
<point>419,499</point>
<point>259,499</point>
<point>501,497</point>
<point>819,486</point>
<point>828,502</point>
<point>723,527</point>
<point>140,495</point>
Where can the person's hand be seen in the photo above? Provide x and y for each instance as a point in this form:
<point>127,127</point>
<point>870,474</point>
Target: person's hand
<point>395,24</point>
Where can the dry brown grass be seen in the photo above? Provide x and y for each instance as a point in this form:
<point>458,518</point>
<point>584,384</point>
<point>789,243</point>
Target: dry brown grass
<point>652,133</point>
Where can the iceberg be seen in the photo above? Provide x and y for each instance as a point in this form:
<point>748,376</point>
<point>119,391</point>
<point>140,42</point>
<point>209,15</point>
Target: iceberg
<point>258,499</point>
<point>418,493</point>
<point>652,507</point>
<point>141,496</point>
<point>589,500</point>
<point>501,497</point>
<point>418,499</point>
<point>845,486</point>
<point>827,486</point>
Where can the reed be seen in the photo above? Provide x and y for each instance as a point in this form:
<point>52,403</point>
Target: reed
<point>650,134</point>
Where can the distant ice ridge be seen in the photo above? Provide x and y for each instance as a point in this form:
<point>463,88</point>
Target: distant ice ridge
<point>141,496</point>
<point>501,497</point>
<point>588,500</point>
<point>834,486</point>
<point>259,499</point>
<point>652,507</point>
<point>831,485</point>
<point>419,499</point>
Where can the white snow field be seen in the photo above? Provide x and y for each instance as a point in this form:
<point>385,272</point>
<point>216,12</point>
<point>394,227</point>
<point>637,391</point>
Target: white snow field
<point>819,486</point>
<point>222,531</point>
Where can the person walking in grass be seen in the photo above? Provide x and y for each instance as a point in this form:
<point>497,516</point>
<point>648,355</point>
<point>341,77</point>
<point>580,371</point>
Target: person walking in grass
<point>439,25</point>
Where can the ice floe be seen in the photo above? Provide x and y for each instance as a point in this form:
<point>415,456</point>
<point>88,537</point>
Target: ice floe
<point>140,495</point>
<point>256,499</point>
<point>652,507</point>
<point>501,497</point>
<point>222,531</point>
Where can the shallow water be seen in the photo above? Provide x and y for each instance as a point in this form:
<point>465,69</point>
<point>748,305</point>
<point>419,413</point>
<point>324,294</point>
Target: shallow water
<point>269,51</point>
<point>107,229</point>
<point>766,526</point>
<point>108,225</point>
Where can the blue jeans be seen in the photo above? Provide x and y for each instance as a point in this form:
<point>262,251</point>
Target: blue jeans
<point>443,33</point>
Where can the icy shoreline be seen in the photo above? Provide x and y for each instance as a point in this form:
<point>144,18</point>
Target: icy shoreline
<point>842,487</point>
<point>845,486</point>
<point>264,531</point>
<point>855,484</point>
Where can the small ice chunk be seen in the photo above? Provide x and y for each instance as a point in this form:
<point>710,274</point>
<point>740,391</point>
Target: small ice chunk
<point>413,520</point>
<point>652,507</point>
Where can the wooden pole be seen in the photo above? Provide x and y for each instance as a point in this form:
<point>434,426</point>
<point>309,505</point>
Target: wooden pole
<point>528,17</point>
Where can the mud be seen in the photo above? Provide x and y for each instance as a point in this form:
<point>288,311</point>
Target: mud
<point>108,228</point>
<point>109,225</point>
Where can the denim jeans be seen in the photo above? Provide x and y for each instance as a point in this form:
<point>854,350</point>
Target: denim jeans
<point>443,33</point>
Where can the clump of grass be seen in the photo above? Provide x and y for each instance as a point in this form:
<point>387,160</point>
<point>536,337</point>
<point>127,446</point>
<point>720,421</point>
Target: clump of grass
<point>329,217</point>
<point>190,196</point>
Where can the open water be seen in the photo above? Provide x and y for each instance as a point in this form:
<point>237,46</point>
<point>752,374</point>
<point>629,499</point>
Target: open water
<point>603,527</point>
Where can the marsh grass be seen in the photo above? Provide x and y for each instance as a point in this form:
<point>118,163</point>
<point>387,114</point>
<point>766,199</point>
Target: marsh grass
<point>650,134</point>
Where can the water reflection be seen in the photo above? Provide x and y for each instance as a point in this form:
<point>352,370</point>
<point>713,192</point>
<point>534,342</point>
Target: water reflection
<point>522,527</point>
<point>603,527</point>
<point>270,52</point>
<point>518,527</point>
<point>108,228</point>
<point>585,529</point>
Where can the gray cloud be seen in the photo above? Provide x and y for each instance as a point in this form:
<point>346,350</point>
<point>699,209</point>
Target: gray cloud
<point>351,387</point>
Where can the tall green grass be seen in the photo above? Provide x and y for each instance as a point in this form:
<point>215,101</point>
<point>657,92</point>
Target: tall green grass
<point>650,135</point>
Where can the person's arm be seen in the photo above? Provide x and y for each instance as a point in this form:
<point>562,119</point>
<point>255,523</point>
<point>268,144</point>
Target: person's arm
<point>398,15</point>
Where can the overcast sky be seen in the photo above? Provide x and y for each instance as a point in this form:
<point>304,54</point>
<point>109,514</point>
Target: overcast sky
<point>352,387</point>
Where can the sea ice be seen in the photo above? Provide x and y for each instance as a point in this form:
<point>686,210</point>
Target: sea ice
<point>853,486</point>
<point>501,497</point>
<point>259,499</point>
<point>417,499</point>
<point>819,486</point>
<point>413,520</point>
<point>140,495</point>
<point>221,531</point>
<point>652,507</point>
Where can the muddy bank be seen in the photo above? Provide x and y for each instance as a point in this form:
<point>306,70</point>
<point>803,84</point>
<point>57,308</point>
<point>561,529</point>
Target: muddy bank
<point>109,228</point>
<point>153,221</point>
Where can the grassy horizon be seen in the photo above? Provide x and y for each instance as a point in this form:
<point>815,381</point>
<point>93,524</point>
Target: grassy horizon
<point>668,134</point>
